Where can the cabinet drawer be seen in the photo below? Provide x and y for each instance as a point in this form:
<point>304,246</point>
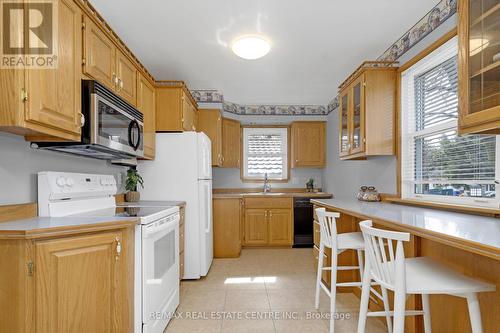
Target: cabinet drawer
<point>181,238</point>
<point>269,202</point>
<point>316,233</point>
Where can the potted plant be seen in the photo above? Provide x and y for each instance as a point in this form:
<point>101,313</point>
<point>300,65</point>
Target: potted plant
<point>310,185</point>
<point>133,178</point>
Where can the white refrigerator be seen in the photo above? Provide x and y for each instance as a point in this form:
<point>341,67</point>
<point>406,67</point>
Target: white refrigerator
<point>182,171</point>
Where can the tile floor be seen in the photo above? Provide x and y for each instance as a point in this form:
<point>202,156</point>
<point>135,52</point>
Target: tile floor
<point>265,290</point>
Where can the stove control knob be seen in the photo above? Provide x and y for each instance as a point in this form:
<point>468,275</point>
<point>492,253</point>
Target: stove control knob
<point>61,181</point>
<point>70,182</point>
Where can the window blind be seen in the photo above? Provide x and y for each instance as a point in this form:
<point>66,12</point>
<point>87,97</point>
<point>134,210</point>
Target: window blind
<point>265,152</point>
<point>437,163</point>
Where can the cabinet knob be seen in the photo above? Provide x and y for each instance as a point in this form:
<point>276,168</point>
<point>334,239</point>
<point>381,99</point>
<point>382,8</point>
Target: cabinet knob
<point>82,119</point>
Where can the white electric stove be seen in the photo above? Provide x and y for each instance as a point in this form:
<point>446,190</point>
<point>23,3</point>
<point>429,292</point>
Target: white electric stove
<point>156,289</point>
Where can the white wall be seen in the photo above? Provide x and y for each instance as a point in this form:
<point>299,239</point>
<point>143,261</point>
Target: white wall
<point>343,178</point>
<point>230,178</point>
<point>19,165</point>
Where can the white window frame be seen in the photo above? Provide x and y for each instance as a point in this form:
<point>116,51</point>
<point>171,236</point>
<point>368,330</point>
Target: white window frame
<point>265,130</point>
<point>408,133</point>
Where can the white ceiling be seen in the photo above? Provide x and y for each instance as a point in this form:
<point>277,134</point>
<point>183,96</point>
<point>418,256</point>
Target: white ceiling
<point>315,43</point>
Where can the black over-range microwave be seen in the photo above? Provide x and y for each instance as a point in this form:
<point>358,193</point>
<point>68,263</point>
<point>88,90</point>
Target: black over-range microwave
<point>112,128</point>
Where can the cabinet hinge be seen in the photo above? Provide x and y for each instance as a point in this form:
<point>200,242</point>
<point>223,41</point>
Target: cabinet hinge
<point>31,268</point>
<point>83,25</point>
<point>24,95</point>
<point>83,61</point>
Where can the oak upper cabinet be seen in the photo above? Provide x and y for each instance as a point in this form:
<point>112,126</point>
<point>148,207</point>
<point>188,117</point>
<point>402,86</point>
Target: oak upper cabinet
<point>176,109</point>
<point>146,104</point>
<point>479,66</point>
<point>268,221</point>
<point>367,101</point>
<point>69,281</point>
<point>210,123</point>
<point>45,104</point>
<point>308,144</point>
<point>227,227</point>
<point>107,64</point>
<point>231,143</point>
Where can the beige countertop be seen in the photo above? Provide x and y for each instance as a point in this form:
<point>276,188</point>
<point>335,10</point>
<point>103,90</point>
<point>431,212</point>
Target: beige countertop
<point>244,194</point>
<point>43,225</point>
<point>466,231</point>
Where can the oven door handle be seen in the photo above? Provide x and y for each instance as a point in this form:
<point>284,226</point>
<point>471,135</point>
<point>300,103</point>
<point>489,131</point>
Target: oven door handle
<point>155,229</point>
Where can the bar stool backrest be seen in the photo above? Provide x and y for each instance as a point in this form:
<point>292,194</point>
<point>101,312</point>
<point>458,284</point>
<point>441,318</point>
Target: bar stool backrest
<point>385,261</point>
<point>328,227</point>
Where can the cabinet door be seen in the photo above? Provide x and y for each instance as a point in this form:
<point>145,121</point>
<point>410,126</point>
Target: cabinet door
<point>344,135</point>
<point>308,144</point>
<point>187,113</point>
<point>55,94</point>
<point>80,283</point>
<point>357,118</point>
<point>231,143</point>
<point>127,78</point>
<point>210,123</point>
<point>100,55</point>
<point>256,232</point>
<point>226,216</point>
<point>479,66</point>
<point>280,227</point>
<point>146,104</point>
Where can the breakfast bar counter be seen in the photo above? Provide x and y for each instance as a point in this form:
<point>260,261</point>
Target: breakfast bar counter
<point>465,242</point>
<point>475,233</point>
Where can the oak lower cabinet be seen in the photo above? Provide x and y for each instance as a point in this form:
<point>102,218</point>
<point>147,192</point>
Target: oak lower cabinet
<point>227,227</point>
<point>176,109</point>
<point>478,67</point>
<point>308,144</point>
<point>68,283</point>
<point>146,104</point>
<point>367,103</point>
<point>107,64</point>
<point>182,237</point>
<point>268,221</point>
<point>231,143</point>
<point>210,123</point>
<point>44,104</point>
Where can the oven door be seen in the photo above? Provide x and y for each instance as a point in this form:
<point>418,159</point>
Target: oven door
<point>114,128</point>
<point>160,272</point>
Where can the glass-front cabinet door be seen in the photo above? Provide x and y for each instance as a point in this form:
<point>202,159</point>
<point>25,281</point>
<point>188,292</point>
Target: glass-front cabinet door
<point>357,135</point>
<point>344,136</point>
<point>479,66</point>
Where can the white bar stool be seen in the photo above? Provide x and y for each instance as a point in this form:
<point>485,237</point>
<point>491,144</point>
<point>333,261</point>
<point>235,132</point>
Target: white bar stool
<point>419,275</point>
<point>338,243</point>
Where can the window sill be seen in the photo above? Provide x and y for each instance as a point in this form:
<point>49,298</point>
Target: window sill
<point>492,212</point>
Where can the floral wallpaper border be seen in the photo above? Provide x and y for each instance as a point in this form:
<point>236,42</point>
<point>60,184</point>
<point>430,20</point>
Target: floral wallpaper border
<point>276,110</point>
<point>433,19</point>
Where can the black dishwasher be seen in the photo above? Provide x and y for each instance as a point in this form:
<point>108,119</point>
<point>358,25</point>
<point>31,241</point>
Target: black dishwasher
<point>303,223</point>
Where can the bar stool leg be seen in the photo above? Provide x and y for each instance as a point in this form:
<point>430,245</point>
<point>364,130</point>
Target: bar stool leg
<point>319,274</point>
<point>474,313</point>
<point>399,310</point>
<point>427,313</point>
<point>333,290</point>
<point>360,264</point>
<point>365,296</point>
<point>388,318</point>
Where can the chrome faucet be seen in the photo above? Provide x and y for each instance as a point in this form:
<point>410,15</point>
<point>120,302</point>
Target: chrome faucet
<point>267,186</point>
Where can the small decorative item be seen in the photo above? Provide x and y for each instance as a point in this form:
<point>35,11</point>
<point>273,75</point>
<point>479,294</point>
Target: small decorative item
<point>133,178</point>
<point>310,185</point>
<point>368,193</point>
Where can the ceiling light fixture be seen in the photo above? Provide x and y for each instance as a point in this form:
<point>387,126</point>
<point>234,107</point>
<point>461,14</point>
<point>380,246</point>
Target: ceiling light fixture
<point>251,47</point>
